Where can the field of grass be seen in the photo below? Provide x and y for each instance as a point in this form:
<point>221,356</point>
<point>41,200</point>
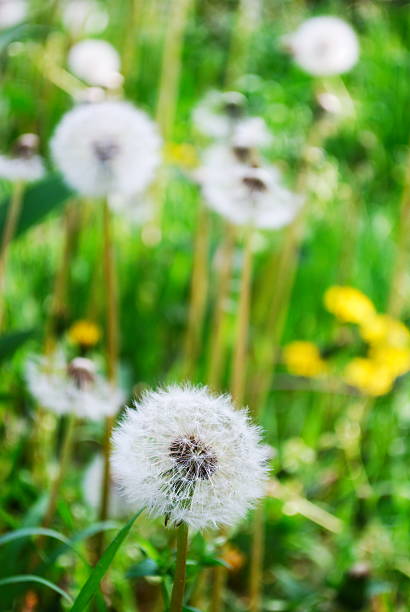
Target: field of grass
<point>332,533</point>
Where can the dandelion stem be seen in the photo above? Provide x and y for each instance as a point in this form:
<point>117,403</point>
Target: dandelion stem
<point>257,554</point>
<point>398,287</point>
<point>239,356</point>
<point>129,59</point>
<point>177,596</point>
<point>112,355</point>
<point>63,465</point>
<point>199,286</point>
<point>219,315</point>
<point>247,18</point>
<point>13,213</point>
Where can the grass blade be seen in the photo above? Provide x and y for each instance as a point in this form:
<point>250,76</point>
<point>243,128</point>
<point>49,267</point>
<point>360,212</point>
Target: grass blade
<point>39,580</point>
<point>91,586</point>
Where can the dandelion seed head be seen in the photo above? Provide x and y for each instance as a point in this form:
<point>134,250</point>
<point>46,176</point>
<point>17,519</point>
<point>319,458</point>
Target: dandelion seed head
<point>96,62</point>
<point>24,164</point>
<point>12,12</point>
<point>324,46</point>
<point>84,17</point>
<point>72,387</point>
<point>188,455</point>
<point>245,195</point>
<point>218,112</point>
<point>107,148</point>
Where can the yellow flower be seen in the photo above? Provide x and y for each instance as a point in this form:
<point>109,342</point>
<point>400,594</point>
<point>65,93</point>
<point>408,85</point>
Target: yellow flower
<point>234,558</point>
<point>181,154</point>
<point>303,359</point>
<point>384,329</point>
<point>395,359</point>
<point>84,333</point>
<point>369,376</point>
<point>348,304</point>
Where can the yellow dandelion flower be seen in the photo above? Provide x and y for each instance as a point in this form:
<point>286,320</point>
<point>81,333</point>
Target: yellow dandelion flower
<point>84,333</point>
<point>369,376</point>
<point>384,329</point>
<point>348,304</point>
<point>394,358</point>
<point>181,154</point>
<point>303,359</point>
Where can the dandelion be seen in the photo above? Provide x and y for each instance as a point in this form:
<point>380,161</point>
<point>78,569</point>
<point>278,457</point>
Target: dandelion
<point>189,456</point>
<point>84,17</point>
<point>24,164</point>
<point>251,133</point>
<point>218,113</point>
<point>383,329</point>
<point>106,148</point>
<point>245,195</point>
<point>72,387</point>
<point>395,359</point>
<point>92,490</point>
<point>12,12</point>
<point>369,376</point>
<point>304,359</point>
<point>84,334</point>
<point>324,46</point>
<point>96,62</point>
<point>349,304</point>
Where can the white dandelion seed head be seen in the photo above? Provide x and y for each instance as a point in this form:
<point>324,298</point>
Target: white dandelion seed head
<point>106,148</point>
<point>92,489</point>
<point>188,455</point>
<point>24,164</point>
<point>66,387</point>
<point>12,12</point>
<point>218,112</point>
<point>324,46</point>
<point>251,133</point>
<point>96,62</point>
<point>246,196</point>
<point>84,17</point>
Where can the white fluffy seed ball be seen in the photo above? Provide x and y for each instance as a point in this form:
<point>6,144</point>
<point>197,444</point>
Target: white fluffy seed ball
<point>324,46</point>
<point>190,456</point>
<point>96,62</point>
<point>106,148</point>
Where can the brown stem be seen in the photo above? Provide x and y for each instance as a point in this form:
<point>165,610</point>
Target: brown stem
<point>199,287</point>
<point>177,595</point>
<point>219,315</point>
<point>239,356</point>
<point>257,554</point>
<point>112,355</point>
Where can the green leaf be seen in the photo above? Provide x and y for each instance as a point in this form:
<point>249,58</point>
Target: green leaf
<point>9,343</point>
<point>146,567</point>
<point>91,586</point>
<point>39,580</point>
<point>39,200</point>
<point>30,531</point>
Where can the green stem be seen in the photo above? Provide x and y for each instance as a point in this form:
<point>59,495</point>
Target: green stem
<point>177,596</point>
<point>13,213</point>
<point>63,461</point>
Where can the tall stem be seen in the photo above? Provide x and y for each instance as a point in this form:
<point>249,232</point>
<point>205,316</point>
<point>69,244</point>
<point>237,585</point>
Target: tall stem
<point>219,315</point>
<point>63,464</point>
<point>199,286</point>
<point>112,355</point>
<point>247,18</point>
<point>171,65</point>
<point>13,213</point>
<point>177,596</point>
<point>257,554</point>
<point>239,356</point>
<point>129,60</point>
<point>398,291</point>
